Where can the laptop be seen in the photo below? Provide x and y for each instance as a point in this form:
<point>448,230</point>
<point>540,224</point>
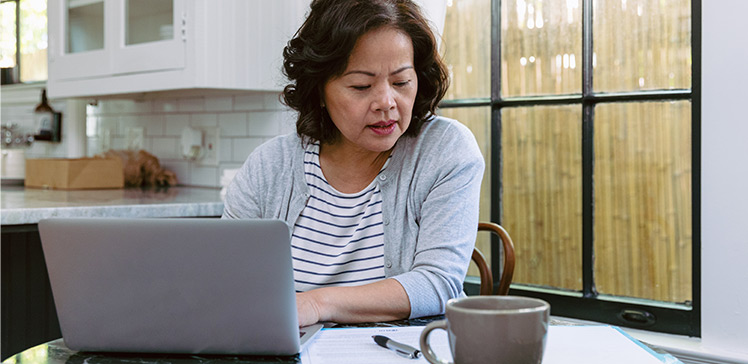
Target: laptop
<point>174,285</point>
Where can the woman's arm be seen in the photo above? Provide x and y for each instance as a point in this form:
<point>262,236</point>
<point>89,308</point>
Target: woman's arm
<point>448,179</point>
<point>384,300</point>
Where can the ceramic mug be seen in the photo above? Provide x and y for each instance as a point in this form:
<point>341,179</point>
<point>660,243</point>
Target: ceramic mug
<point>492,329</point>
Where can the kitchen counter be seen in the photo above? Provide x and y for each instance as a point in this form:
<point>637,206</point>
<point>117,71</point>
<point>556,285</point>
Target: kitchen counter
<point>28,312</point>
<point>19,205</point>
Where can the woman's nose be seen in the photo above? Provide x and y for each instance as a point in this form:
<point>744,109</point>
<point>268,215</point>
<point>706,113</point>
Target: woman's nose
<point>384,99</point>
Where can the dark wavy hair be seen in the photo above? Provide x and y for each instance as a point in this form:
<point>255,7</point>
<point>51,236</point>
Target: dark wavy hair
<point>320,50</point>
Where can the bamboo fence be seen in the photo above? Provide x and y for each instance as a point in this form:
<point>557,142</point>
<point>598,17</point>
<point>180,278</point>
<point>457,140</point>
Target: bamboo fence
<point>642,169</point>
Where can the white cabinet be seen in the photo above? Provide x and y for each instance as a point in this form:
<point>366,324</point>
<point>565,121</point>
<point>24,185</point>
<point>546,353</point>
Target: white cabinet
<point>128,48</point>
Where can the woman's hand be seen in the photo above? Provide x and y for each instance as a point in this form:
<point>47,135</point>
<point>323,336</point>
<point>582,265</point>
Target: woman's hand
<point>385,300</point>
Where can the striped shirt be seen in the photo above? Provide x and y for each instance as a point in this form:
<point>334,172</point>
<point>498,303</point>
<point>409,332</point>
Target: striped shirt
<point>338,240</point>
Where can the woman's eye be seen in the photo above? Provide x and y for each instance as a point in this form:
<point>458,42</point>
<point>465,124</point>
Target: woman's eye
<point>401,83</point>
<point>360,88</point>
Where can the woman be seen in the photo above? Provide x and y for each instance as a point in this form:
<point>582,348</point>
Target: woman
<point>381,195</point>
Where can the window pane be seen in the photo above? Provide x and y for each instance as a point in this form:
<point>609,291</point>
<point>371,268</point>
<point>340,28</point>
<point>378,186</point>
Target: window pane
<point>149,21</point>
<point>85,26</point>
<point>643,200</point>
<point>641,45</point>
<point>8,34</point>
<point>466,48</point>
<point>542,193</point>
<point>33,40</point>
<point>478,119</point>
<point>541,47</point>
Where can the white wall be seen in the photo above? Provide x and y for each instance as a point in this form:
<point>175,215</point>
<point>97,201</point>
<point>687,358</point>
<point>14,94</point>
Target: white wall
<point>245,120</point>
<point>724,176</point>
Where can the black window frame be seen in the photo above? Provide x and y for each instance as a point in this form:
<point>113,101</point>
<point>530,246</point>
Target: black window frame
<point>589,304</point>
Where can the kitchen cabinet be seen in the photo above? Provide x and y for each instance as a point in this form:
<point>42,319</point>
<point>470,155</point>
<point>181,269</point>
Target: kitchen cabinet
<point>136,48</point>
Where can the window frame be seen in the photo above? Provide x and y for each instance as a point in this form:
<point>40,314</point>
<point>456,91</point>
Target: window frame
<point>589,304</point>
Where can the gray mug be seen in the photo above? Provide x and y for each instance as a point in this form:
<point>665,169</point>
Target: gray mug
<point>492,329</point>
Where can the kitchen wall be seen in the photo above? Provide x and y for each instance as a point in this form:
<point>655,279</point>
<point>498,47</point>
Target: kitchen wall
<point>244,121</point>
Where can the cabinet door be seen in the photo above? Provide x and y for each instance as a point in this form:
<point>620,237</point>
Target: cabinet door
<point>150,36</point>
<point>78,38</point>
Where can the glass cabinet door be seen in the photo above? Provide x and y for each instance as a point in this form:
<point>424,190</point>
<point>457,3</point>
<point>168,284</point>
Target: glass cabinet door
<point>148,21</point>
<point>149,36</point>
<point>85,26</point>
<point>78,38</point>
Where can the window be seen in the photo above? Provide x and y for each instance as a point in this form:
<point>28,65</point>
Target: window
<point>587,112</point>
<point>23,42</point>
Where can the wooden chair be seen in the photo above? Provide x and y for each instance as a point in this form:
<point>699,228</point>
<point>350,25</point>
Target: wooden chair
<point>486,277</point>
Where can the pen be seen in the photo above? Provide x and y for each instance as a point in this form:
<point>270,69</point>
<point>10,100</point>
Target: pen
<point>400,348</point>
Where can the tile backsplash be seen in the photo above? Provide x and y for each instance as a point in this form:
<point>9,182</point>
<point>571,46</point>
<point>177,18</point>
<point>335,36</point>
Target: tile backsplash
<point>244,121</point>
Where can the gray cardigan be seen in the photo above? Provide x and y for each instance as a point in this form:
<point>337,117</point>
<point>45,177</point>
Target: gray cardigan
<point>430,192</point>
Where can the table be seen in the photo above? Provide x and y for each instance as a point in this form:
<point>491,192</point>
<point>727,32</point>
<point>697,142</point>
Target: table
<point>55,351</point>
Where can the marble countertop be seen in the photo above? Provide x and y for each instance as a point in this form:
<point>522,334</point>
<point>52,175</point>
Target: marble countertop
<point>19,205</point>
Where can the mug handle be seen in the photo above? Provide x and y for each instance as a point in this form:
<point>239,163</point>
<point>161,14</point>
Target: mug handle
<point>428,353</point>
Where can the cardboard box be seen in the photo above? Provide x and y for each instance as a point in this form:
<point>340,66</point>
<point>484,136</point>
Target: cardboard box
<point>74,174</point>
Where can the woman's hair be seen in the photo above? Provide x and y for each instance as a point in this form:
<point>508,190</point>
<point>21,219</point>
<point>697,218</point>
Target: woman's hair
<point>320,50</point>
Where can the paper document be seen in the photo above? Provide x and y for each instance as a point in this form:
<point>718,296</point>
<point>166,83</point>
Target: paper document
<point>598,344</point>
<point>355,345</point>
<point>565,345</point>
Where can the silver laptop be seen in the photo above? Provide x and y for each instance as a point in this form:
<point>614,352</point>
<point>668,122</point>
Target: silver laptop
<point>168,285</point>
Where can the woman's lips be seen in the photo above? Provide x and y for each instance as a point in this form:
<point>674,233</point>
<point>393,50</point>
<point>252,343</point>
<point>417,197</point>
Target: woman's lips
<point>384,127</point>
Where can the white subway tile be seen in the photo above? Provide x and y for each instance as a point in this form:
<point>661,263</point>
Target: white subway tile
<point>130,121</point>
<point>249,102</point>
<point>152,124</point>
<point>219,103</point>
<point>203,176</point>
<point>191,104</point>
<point>125,106</point>
<point>233,124</point>
<point>272,101</point>
<point>225,151</point>
<point>118,143</point>
<point>174,123</point>
<point>165,148</point>
<point>155,125</point>
<point>165,105</point>
<point>110,123</point>
<point>264,123</point>
<point>203,120</point>
<point>93,147</point>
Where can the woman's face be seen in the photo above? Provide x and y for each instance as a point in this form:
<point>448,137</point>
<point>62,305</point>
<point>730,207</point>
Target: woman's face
<point>371,103</point>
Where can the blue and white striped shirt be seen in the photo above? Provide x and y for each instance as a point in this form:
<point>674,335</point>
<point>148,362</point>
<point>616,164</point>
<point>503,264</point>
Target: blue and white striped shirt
<point>338,240</point>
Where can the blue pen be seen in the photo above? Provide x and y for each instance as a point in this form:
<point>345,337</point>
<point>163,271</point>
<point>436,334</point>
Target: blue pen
<point>400,348</point>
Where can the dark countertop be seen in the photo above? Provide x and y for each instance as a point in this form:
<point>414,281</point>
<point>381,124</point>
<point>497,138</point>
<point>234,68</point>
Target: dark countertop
<point>55,352</point>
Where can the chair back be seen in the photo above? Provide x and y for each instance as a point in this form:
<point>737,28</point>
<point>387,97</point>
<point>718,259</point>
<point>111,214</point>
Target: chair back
<point>486,277</point>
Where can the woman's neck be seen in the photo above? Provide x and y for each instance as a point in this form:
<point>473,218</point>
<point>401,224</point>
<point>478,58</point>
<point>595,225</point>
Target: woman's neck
<point>350,170</point>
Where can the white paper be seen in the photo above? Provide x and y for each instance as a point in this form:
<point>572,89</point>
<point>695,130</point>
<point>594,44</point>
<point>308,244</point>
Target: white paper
<point>565,345</point>
<point>355,345</point>
<point>594,345</point>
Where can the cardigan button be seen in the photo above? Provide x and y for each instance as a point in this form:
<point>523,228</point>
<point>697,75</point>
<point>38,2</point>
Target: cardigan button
<point>388,264</point>
<point>382,177</point>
